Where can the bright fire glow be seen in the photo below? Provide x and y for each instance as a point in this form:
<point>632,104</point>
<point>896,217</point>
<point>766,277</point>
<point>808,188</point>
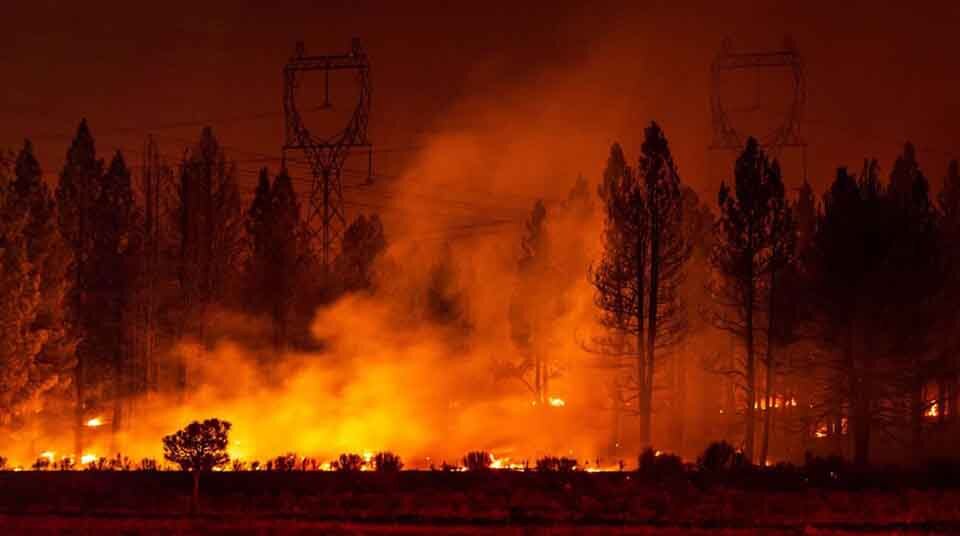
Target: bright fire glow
<point>48,454</point>
<point>933,410</point>
<point>88,458</point>
<point>95,422</point>
<point>557,402</point>
<point>821,431</point>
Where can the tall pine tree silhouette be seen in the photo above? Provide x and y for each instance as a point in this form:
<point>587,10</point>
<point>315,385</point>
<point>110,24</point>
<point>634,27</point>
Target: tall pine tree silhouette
<point>76,195</point>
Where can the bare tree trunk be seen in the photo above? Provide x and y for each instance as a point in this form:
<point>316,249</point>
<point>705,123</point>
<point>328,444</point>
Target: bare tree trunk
<point>78,415</point>
<point>751,380</point>
<point>195,497</point>
<point>652,317</point>
<point>768,387</point>
<point>859,420</point>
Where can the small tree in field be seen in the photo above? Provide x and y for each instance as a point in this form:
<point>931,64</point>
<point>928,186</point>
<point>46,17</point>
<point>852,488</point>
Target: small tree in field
<point>199,447</point>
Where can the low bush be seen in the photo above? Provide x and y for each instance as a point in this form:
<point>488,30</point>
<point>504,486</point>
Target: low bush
<point>348,463</point>
<point>717,457</point>
<point>477,460</point>
<point>660,466</point>
<point>285,462</point>
<point>387,462</point>
<point>148,464</point>
<point>552,464</point>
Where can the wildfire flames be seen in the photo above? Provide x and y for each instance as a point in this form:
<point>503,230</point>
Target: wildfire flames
<point>94,422</point>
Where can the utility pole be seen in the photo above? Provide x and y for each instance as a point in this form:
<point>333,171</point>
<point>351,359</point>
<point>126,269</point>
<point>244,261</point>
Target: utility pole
<point>326,156</point>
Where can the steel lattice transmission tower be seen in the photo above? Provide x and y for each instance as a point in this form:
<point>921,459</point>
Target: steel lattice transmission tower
<point>787,133</point>
<point>327,156</point>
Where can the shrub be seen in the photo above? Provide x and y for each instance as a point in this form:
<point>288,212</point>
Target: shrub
<point>552,464</point>
<point>286,462</point>
<point>660,466</point>
<point>41,464</point>
<point>3,463</point>
<point>348,463</point>
<point>65,464</point>
<point>255,465</point>
<point>100,464</point>
<point>717,457</point>
<point>477,460</point>
<point>120,463</point>
<point>148,464</point>
<point>199,447</point>
<point>238,465</point>
<point>448,468</point>
<point>824,471</point>
<point>387,462</point>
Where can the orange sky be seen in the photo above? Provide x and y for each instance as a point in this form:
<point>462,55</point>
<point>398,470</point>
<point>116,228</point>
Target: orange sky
<point>877,74</point>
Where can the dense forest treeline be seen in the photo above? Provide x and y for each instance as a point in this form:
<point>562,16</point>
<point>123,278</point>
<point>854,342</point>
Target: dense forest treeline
<point>824,323</point>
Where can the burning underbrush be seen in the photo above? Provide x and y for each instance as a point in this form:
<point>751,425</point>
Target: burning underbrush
<point>382,384</point>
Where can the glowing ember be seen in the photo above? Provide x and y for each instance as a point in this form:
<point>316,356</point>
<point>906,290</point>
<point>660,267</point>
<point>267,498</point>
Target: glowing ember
<point>821,431</point>
<point>933,410</point>
<point>95,422</point>
<point>557,402</point>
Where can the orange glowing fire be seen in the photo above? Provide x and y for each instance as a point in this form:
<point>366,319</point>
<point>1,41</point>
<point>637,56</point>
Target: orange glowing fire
<point>557,402</point>
<point>933,410</point>
<point>88,458</point>
<point>821,431</point>
<point>95,422</point>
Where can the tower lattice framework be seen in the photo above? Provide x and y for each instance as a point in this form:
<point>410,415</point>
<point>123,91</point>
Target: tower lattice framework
<point>326,156</point>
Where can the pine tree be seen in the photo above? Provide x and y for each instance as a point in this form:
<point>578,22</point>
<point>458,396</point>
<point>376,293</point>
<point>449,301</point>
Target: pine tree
<point>113,288</point>
<point>638,279</point>
<point>77,192</point>
<point>39,350</point>
<point>210,224</point>
<point>286,253</point>
<point>619,276</point>
<point>19,284</point>
<point>740,258</point>
<point>363,242</point>
<point>853,240</point>
<point>258,216</point>
<point>531,303</point>
<point>669,251</point>
<point>948,366</point>
<point>779,262</point>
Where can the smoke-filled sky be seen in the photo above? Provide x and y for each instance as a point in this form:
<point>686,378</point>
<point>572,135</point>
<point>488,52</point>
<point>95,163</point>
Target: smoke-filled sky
<point>555,80</point>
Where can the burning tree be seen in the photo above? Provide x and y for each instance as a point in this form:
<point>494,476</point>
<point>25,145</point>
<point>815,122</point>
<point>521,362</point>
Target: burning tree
<point>199,447</point>
<point>35,347</point>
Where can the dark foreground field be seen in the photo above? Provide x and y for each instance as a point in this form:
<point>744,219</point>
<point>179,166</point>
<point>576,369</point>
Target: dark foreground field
<point>452,503</point>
